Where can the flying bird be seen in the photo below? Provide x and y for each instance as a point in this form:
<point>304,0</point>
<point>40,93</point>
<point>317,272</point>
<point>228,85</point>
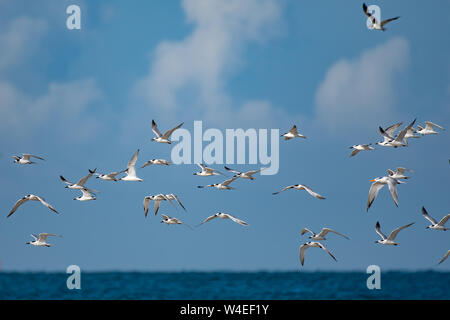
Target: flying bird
<point>172,196</point>
<point>399,174</point>
<point>444,257</point>
<point>302,187</point>
<point>313,244</point>
<point>87,195</point>
<point>222,215</point>
<point>411,133</point>
<point>206,172</point>
<point>221,186</point>
<point>244,175</point>
<point>131,169</point>
<point>80,183</point>
<point>379,183</point>
<point>160,162</point>
<point>376,24</point>
<point>163,138</point>
<point>360,147</point>
<point>398,141</point>
<point>30,197</point>
<point>41,240</point>
<point>157,201</point>
<point>169,220</point>
<point>293,133</point>
<point>429,128</point>
<point>321,235</point>
<point>110,176</point>
<point>25,158</point>
<point>436,225</point>
<point>391,239</point>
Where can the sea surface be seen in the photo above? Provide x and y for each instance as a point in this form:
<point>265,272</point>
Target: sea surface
<point>226,285</point>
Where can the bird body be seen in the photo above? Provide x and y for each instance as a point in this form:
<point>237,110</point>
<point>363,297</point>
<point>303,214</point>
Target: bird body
<point>131,169</point>
<point>434,224</point>
<point>321,235</point>
<point>41,240</point>
<point>163,138</point>
<point>25,159</point>
<point>312,244</point>
<point>221,186</point>
<point>391,239</point>
<point>302,187</point>
<point>293,133</point>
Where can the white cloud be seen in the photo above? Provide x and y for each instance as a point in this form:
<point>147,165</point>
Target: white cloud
<point>357,92</point>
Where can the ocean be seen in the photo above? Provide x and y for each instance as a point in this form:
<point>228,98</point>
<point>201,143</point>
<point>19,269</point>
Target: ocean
<point>226,285</point>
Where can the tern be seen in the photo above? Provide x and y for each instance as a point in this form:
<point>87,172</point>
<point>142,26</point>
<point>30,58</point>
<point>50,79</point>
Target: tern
<point>391,239</point>
<point>436,225</point>
<point>312,244</point>
<point>222,215</point>
<point>379,183</point>
<point>321,235</point>
<point>398,141</point>
<point>80,183</point>
<point>40,241</point>
<point>244,175</point>
<point>30,197</point>
<point>157,199</point>
<point>293,133</point>
<point>169,220</point>
<point>206,172</point>
<point>221,186</point>
<point>131,169</point>
<point>160,162</point>
<point>429,128</point>
<point>110,176</point>
<point>399,174</point>
<point>172,196</point>
<point>302,187</point>
<point>360,147</point>
<point>87,195</point>
<point>410,134</point>
<point>444,257</point>
<point>376,24</point>
<point>163,138</point>
<point>25,159</point>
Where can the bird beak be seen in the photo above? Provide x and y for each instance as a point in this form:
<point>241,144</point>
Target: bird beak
<point>372,180</point>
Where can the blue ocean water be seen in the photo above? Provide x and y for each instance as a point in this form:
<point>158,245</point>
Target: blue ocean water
<point>226,285</point>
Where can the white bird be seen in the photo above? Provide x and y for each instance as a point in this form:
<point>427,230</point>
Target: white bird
<point>244,175</point>
<point>221,186</point>
<point>41,240</point>
<point>170,220</point>
<point>131,169</point>
<point>25,158</point>
<point>222,215</point>
<point>172,196</point>
<point>206,172</point>
<point>110,176</point>
<point>391,239</point>
<point>410,134</point>
<point>321,235</point>
<point>398,141</point>
<point>312,244</point>
<point>360,147</point>
<point>399,174</point>
<point>376,24</point>
<point>87,195</point>
<point>444,257</point>
<point>157,200</point>
<point>436,225</point>
<point>302,187</point>
<point>293,133</point>
<point>80,183</point>
<point>30,197</point>
<point>163,138</point>
<point>160,162</point>
<point>379,183</point>
<point>429,128</point>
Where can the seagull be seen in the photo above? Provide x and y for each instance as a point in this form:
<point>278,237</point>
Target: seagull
<point>302,187</point>
<point>379,183</point>
<point>244,175</point>
<point>311,244</point>
<point>391,239</point>
<point>31,197</point>
<point>444,257</point>
<point>160,162</point>
<point>360,147</point>
<point>157,199</point>
<point>170,220</point>
<point>172,196</point>
<point>429,128</point>
<point>25,159</point>
<point>321,235</point>
<point>390,141</point>
<point>222,185</point>
<point>436,225</point>
<point>222,215</point>
<point>206,172</point>
<point>110,176</point>
<point>410,134</point>
<point>375,24</point>
<point>40,241</point>
<point>399,174</point>
<point>131,170</point>
<point>87,195</point>
<point>163,138</point>
<point>80,183</point>
<point>292,134</point>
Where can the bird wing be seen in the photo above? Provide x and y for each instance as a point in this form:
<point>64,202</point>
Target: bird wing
<point>47,204</point>
<point>17,205</point>
<point>354,152</point>
<point>391,130</point>
<point>43,236</point>
<point>178,200</point>
<point>378,230</point>
<point>444,220</point>
<point>391,184</point>
<point>27,156</point>
<point>169,132</point>
<point>286,188</point>
<point>241,222</point>
<point>157,203</point>
<point>390,172</point>
<point>445,257</point>
<point>373,192</point>
<point>311,192</point>
<point>227,182</point>
<point>294,130</point>
<point>327,230</point>
<point>146,205</point>
<point>231,170</point>
<point>402,133</point>
<point>34,236</point>
<point>430,125</point>
<point>327,251</point>
<point>387,137</point>
<point>303,248</point>
<point>155,129</point>
<point>86,192</point>
<point>427,216</point>
<point>65,181</point>
<point>147,164</point>
<point>209,219</point>
<point>84,179</point>
<point>305,230</point>
<point>388,20</point>
<point>396,231</point>
<point>165,218</point>
<point>132,162</point>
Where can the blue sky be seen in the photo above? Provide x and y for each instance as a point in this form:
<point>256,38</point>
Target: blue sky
<point>85,98</point>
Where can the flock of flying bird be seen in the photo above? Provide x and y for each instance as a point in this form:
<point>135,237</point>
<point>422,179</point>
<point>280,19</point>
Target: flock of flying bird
<point>390,139</point>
